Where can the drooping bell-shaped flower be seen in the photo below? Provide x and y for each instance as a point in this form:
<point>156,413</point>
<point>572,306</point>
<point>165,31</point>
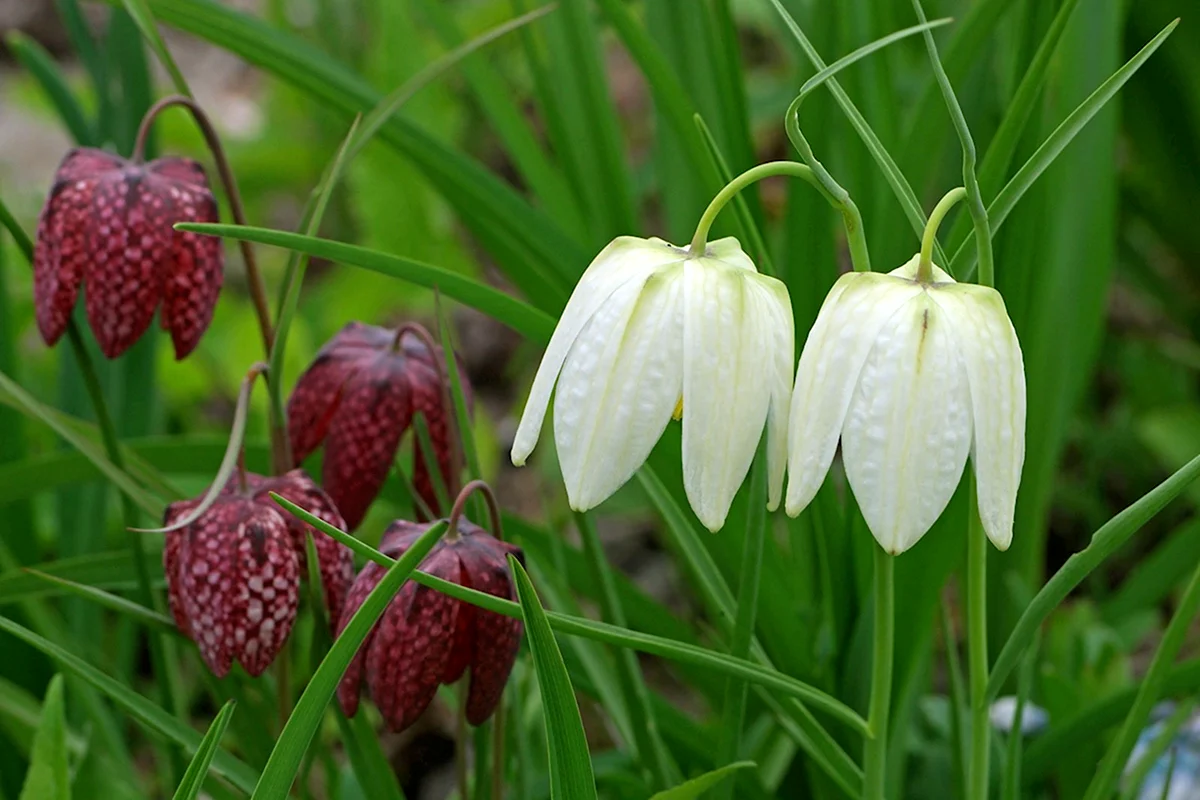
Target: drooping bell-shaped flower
<point>233,574</point>
<point>913,375</point>
<point>359,397</point>
<point>651,332</point>
<point>426,638</point>
<point>108,225</point>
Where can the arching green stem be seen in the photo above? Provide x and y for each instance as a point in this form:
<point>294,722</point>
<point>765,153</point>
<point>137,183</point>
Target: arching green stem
<point>837,196</point>
<point>925,265</point>
<point>768,170</point>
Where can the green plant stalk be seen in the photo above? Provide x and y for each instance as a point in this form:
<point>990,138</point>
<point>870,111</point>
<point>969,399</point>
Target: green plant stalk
<point>975,204</point>
<point>649,745</point>
<point>730,190</point>
<point>929,239</point>
<point>169,686</point>
<point>734,709</point>
<point>1011,788</point>
<point>1155,750</point>
<point>875,755</point>
<point>977,655</point>
<point>1105,779</point>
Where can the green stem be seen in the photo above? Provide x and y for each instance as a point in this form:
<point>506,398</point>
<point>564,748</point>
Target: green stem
<point>649,744</point>
<point>979,214</point>
<point>734,709</point>
<point>977,652</point>
<point>875,757</point>
<point>768,170</point>
<point>925,265</point>
<point>839,198</point>
<point>1105,780</point>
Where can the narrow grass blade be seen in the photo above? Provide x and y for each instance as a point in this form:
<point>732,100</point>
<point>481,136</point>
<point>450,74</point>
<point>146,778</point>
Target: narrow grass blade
<point>126,608</point>
<point>49,777</point>
<point>696,787</point>
<point>43,69</point>
<point>286,757</point>
<point>571,775</point>
<point>142,710</point>
<point>12,394</point>
<point>142,17</point>
<point>1104,782</point>
<point>197,770</point>
<point>1155,750</point>
<point>1056,142</point>
<point>611,634</point>
<point>375,774</point>
<point>1105,542</point>
<point>535,324</point>
<point>1010,787</point>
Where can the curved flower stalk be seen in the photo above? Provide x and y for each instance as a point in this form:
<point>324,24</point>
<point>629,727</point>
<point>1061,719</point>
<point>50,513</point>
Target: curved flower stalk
<point>912,371</point>
<point>654,331</point>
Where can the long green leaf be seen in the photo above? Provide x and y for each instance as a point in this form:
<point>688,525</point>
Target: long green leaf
<point>503,219</point>
<point>43,69</point>
<point>144,20</point>
<point>142,710</point>
<point>602,632</point>
<point>696,787</point>
<point>286,757</point>
<point>127,608</point>
<point>1104,543</point>
<point>524,319</point>
<point>571,775</point>
<point>999,209</point>
<point>12,394</point>
<point>49,776</point>
<point>197,770</point>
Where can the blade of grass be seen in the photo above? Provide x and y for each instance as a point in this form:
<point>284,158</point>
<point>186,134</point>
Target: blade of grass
<point>126,608</point>
<point>524,319</point>
<point>648,746</point>
<point>1155,750</point>
<point>197,769</point>
<point>1104,543</point>
<point>45,71</point>
<point>1104,781</point>
<point>570,760</point>
<point>1010,787</point>
<point>142,710</point>
<point>286,757</point>
<point>49,777</point>
<point>696,787</point>
<point>964,259</point>
<point>603,632</point>
<point>142,17</point>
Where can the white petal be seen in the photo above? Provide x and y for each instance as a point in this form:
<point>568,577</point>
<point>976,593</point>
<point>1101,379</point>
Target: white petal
<point>908,429</point>
<point>729,252</point>
<point>625,259</point>
<point>996,376</point>
<point>846,328</point>
<point>618,387</point>
<point>908,270</point>
<point>777,334</point>
<point>724,406</point>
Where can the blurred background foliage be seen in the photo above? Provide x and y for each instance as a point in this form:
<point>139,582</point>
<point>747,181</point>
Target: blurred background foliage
<point>1099,265</point>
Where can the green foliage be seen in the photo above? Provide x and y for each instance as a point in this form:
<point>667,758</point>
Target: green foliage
<point>408,157</point>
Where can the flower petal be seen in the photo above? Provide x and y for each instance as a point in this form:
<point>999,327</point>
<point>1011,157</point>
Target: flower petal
<point>619,385</point>
<point>908,427</point>
<point>495,638</point>
<point>725,403</point>
<point>774,312</point>
<point>314,401</point>
<point>624,260</point>
<point>996,374</point>
<point>375,409</point>
<point>853,313</point>
<point>194,266</point>
<point>350,686</point>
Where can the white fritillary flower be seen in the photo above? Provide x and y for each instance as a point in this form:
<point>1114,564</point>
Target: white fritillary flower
<point>650,333</point>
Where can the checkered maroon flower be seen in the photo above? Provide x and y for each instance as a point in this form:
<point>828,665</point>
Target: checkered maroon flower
<point>107,224</point>
<point>359,397</point>
<point>233,574</point>
<point>426,638</point>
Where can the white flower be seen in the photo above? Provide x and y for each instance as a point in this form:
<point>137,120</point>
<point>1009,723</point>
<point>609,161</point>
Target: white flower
<point>648,333</point>
<point>912,376</point>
